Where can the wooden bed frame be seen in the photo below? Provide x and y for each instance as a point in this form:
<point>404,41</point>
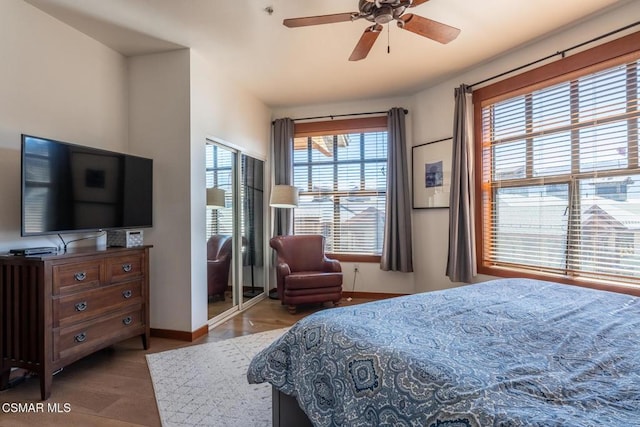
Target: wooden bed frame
<point>286,412</point>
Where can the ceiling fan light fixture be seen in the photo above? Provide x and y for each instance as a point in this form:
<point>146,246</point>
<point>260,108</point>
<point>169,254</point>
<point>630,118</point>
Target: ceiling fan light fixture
<point>383,15</point>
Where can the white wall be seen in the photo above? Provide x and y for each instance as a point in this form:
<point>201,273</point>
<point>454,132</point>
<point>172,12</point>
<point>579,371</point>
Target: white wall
<point>433,119</point>
<point>159,105</point>
<point>55,82</point>
<point>370,278</point>
<point>222,109</point>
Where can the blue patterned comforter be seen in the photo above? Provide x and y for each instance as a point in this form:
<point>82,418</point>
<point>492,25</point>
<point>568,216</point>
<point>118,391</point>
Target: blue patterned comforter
<point>508,352</point>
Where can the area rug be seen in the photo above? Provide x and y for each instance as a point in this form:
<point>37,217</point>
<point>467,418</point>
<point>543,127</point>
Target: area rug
<point>206,384</point>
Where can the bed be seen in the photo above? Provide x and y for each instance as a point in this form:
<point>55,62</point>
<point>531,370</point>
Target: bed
<point>507,352</point>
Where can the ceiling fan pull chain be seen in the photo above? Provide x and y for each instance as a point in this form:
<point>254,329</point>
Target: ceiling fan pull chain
<point>388,40</point>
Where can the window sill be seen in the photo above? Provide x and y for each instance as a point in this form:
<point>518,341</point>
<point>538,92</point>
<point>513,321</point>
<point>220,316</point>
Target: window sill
<point>354,258</point>
<point>603,285</point>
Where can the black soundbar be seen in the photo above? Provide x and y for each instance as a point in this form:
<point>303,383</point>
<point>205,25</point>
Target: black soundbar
<point>43,250</point>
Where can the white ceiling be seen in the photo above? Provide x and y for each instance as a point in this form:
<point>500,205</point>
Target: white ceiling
<point>298,66</point>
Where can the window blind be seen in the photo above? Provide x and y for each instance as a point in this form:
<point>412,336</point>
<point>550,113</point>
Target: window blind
<point>219,173</point>
<point>39,173</point>
<point>560,188</point>
<point>342,184</point>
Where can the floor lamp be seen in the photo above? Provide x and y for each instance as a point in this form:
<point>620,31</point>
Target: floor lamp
<point>215,198</point>
<point>282,197</point>
<point>253,291</point>
<point>251,232</point>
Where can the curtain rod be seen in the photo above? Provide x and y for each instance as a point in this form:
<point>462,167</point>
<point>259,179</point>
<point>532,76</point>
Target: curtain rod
<point>343,115</point>
<point>561,52</point>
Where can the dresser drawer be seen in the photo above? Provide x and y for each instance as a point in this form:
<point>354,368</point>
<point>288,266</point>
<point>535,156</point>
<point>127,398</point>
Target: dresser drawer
<point>124,267</point>
<point>76,276</point>
<point>80,306</point>
<point>82,338</point>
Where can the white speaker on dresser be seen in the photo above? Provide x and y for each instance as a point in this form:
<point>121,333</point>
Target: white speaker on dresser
<point>125,238</point>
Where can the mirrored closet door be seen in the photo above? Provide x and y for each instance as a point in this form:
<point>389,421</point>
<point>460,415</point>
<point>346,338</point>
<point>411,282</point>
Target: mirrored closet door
<point>236,273</point>
<point>220,224</point>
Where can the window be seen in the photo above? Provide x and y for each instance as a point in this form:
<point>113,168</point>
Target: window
<point>558,174</point>
<point>38,176</point>
<point>219,173</point>
<point>341,175</point>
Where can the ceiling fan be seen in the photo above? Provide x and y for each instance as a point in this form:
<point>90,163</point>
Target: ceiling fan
<point>382,12</point>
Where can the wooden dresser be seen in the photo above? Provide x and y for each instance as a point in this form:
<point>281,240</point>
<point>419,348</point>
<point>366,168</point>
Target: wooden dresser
<point>56,309</point>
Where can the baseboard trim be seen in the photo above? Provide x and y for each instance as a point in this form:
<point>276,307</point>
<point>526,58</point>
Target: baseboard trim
<point>204,330</point>
<point>370,295</point>
<point>180,335</point>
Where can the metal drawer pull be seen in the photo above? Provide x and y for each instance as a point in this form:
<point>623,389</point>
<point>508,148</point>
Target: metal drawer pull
<point>80,337</point>
<point>127,294</point>
<point>80,276</point>
<point>81,306</point>
<point>127,320</point>
<point>126,267</point>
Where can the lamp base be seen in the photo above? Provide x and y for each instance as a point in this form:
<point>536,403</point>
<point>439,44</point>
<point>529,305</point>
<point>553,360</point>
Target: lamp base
<point>273,294</point>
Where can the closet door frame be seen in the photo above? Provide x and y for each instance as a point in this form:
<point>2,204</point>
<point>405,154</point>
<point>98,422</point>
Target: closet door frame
<point>236,265</point>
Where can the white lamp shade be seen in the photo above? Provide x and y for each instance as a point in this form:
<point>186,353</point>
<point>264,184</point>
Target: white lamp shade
<point>284,196</point>
<point>215,198</point>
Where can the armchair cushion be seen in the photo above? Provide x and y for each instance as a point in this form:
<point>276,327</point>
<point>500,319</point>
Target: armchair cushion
<point>312,280</point>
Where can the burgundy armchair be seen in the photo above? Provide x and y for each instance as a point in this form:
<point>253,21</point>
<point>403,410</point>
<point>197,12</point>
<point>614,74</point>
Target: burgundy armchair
<point>304,274</point>
<point>218,264</point>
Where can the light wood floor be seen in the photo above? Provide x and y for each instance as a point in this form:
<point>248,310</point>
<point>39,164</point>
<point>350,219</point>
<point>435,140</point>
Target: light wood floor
<point>216,306</point>
<point>113,387</point>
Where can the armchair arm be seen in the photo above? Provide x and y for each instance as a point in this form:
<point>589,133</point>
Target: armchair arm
<point>282,270</point>
<point>331,265</point>
<point>218,269</point>
<point>216,262</point>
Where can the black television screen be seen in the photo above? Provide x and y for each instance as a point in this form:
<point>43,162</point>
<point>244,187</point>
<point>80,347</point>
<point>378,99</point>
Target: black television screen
<point>71,188</point>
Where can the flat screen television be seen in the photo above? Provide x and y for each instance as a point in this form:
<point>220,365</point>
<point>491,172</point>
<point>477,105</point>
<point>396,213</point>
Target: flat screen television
<point>71,188</point>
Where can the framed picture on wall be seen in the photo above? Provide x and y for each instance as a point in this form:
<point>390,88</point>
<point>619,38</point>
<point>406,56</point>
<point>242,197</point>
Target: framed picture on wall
<point>431,174</point>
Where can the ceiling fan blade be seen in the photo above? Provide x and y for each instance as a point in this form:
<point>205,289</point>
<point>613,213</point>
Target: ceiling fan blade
<point>318,20</point>
<point>365,43</point>
<point>417,2</point>
<point>429,28</point>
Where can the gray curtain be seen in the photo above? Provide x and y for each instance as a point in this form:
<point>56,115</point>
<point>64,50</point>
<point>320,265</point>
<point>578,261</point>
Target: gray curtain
<point>252,205</point>
<point>396,250</point>
<point>461,261</point>
<point>283,171</point>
